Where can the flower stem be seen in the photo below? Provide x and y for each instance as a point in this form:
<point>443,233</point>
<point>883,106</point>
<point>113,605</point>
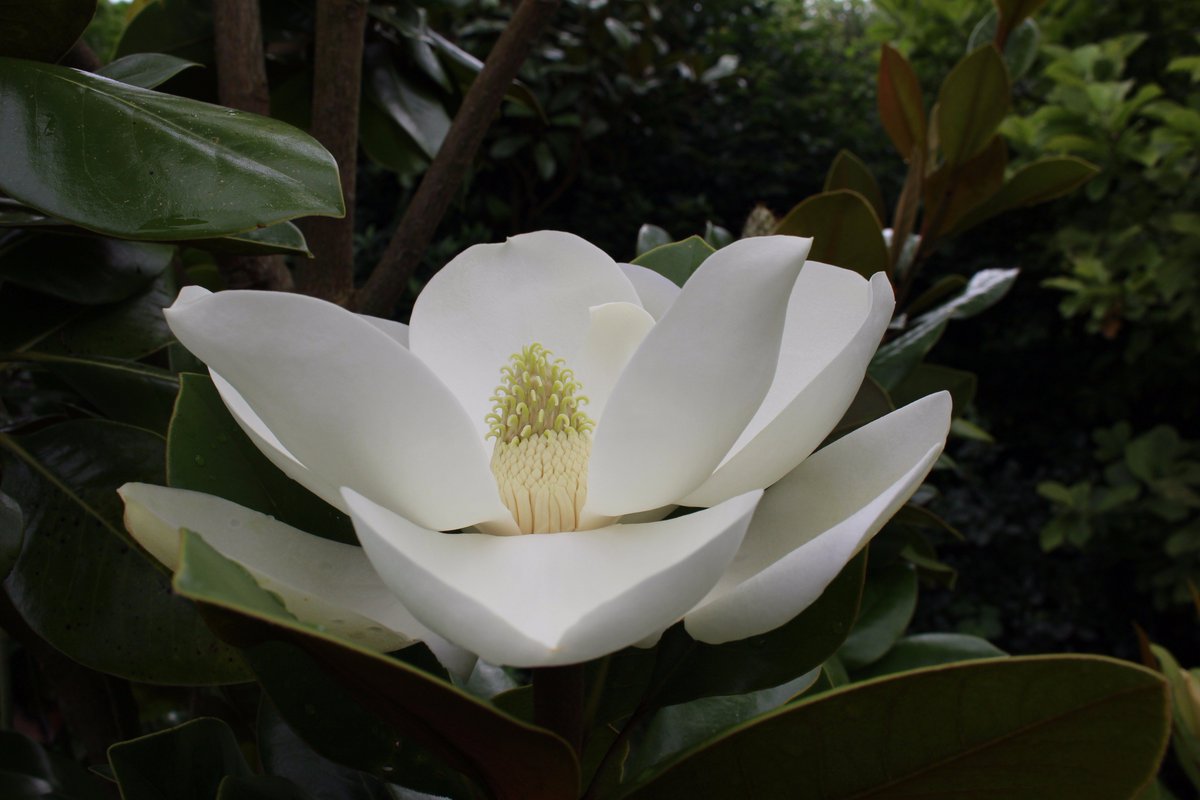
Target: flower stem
<point>558,702</point>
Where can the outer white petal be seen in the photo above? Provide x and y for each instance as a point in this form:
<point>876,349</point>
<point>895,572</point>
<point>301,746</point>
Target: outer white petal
<point>493,299</point>
<point>656,292</point>
<point>550,599</point>
<point>697,378</point>
<point>396,330</point>
<point>322,582</point>
<point>616,331</point>
<point>814,520</point>
<point>347,401</point>
<point>835,321</point>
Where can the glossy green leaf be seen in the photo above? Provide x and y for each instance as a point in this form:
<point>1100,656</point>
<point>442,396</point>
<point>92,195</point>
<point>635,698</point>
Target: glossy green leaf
<point>146,70</point>
<point>74,143</point>
<point>182,28</point>
<point>928,650</point>
<point>387,144</point>
<point>678,260</point>
<point>760,662</point>
<point>44,30</point>
<point>849,172</point>
<point>901,105</point>
<point>845,231</point>
<point>1036,182</point>
<point>896,359</point>
<point>973,100</point>
<point>1035,728</point>
<point>407,103</point>
<point>508,757</point>
<point>466,66</point>
<point>1020,47</point>
<point>675,729</point>
<point>80,582</point>
<point>1014,12</point>
<point>282,237</point>
<point>953,192</point>
<point>183,763</point>
<point>925,379</point>
<point>283,752</point>
<point>86,270</point>
<point>124,391</point>
<point>888,603</point>
<point>130,329</point>
<point>12,533</point>
<point>649,237</point>
<point>260,787</point>
<point>25,769</point>
<point>869,404</point>
<point>207,452</point>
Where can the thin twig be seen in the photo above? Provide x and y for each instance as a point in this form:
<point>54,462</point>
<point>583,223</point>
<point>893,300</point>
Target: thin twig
<point>387,283</point>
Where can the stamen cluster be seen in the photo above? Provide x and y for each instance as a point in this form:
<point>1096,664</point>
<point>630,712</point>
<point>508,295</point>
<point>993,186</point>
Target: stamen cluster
<point>537,393</point>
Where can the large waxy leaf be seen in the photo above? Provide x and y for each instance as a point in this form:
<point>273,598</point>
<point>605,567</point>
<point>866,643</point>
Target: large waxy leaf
<point>928,650</point>
<point>901,106</point>
<point>130,329</point>
<point>508,757</point>
<point>897,358</point>
<point>1014,12</point>
<point>888,603</point>
<point>75,143</point>
<point>146,70</point>
<point>12,533</point>
<point>849,172</point>
<point>406,103</point>
<point>183,763</point>
<point>86,270</point>
<point>80,582</point>
<point>926,379</point>
<point>845,231</point>
<point>1036,182</point>
<point>282,237</point>
<point>260,787</point>
<point>676,261</point>
<point>649,237</point>
<point>1020,46</point>
<point>953,192</point>
<point>124,391</point>
<point>182,28</point>
<point>972,102</point>
<point>1037,728</point>
<point>43,30</point>
<point>207,452</point>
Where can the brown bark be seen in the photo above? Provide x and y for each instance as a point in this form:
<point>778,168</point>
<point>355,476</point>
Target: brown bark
<point>390,278</point>
<point>340,27</point>
<point>242,84</point>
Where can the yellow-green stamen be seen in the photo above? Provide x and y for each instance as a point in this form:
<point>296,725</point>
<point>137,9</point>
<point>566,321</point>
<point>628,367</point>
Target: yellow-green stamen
<point>543,441</point>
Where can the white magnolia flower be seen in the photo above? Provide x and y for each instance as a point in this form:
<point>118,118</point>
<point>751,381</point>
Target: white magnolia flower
<point>544,390</point>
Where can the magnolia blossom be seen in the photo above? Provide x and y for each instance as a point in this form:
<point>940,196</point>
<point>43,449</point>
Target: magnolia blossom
<point>509,460</point>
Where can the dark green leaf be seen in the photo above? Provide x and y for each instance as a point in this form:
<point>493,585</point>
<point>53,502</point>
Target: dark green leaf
<point>1014,12</point>
<point>183,763</point>
<point>466,66</point>
<point>43,30</point>
<point>130,329</point>
<point>12,533</point>
<point>928,650</point>
<point>871,403</point>
<point>85,270</point>
<point>972,102</point>
<point>926,379</point>
<point>407,103</point>
<point>678,260</point>
<point>80,583</point>
<point>121,390</point>
<point>146,70</point>
<point>1035,728</point>
<point>282,237</point>
<point>1020,48</point>
<point>849,172</point>
<point>952,192</point>
<point>75,143</point>
<point>260,787</point>
<point>25,769</point>
<point>888,603</point>
<point>387,144</point>
<point>649,237</point>
<point>901,106</point>
<point>1036,182</point>
<point>207,452</point>
<point>508,757</point>
<point>845,231</point>
<point>182,28</point>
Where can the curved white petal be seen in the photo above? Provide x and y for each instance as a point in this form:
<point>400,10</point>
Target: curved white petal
<point>322,582</point>
<point>347,401</point>
<point>615,332</point>
<point>550,599</point>
<point>697,378</point>
<point>656,292</point>
<point>493,299</point>
<point>270,446</point>
<point>397,330</point>
<point>817,517</point>
<point>835,321</point>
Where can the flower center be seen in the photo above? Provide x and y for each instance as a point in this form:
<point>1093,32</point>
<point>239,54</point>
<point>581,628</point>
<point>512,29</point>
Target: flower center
<point>543,441</point>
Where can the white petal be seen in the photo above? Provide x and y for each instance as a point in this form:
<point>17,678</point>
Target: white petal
<point>835,321</point>
<point>550,599</point>
<point>656,292</point>
<point>814,520</point>
<point>697,378</point>
<point>396,330</point>
<point>616,331</point>
<point>347,401</point>
<point>494,299</point>
<point>322,582</point>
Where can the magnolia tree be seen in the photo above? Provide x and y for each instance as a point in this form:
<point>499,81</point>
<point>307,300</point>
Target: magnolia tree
<point>579,528</point>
